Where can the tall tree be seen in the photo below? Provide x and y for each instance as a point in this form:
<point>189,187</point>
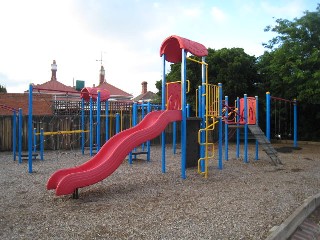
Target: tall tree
<point>291,67</point>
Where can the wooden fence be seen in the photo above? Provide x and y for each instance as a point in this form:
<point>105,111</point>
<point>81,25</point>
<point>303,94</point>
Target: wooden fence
<point>58,123</point>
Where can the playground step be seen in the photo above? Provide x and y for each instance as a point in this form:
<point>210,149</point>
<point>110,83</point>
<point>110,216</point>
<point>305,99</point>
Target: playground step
<point>265,144</point>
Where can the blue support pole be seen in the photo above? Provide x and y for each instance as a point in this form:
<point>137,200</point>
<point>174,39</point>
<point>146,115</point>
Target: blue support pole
<point>163,107</point>
<point>142,117</point>
<point>202,112</point>
<point>238,129</point>
<point>91,127</point>
<point>188,110</point>
<point>295,123</point>
<point>174,137</point>
<point>20,135</point>
<point>245,118</point>
<point>41,143</point>
<point>98,120</point>
<point>148,142</point>
<point>14,135</point>
<point>257,123</point>
<point>34,140</point>
<point>134,122</point>
<point>107,120</point>
<point>199,102</point>
<point>30,127</point>
<point>220,164</point>
<point>226,128</point>
<point>268,111</point>
<point>82,126</point>
<point>117,123</point>
<point>184,113</point>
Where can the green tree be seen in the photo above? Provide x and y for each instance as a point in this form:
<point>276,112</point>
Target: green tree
<point>3,89</point>
<point>235,69</point>
<point>291,67</point>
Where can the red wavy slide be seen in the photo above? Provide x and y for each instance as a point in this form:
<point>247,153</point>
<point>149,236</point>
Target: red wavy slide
<point>111,154</point>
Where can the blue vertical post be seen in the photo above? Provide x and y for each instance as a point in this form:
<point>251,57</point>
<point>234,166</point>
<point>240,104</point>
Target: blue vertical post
<point>163,107</point>
<point>34,140</point>
<point>134,122</point>
<point>117,123</point>
<point>184,113</point>
<point>20,135</point>
<point>220,164</point>
<point>98,120</point>
<point>30,127</point>
<point>202,113</point>
<point>268,111</point>
<point>14,135</point>
<point>41,143</point>
<point>82,126</point>
<point>174,137</point>
<point>226,128</point>
<point>188,110</point>
<point>91,126</point>
<point>257,123</point>
<point>148,142</point>
<point>245,118</point>
<point>199,102</point>
<point>295,123</point>
<point>107,120</point>
<point>142,117</point>
<point>238,128</point>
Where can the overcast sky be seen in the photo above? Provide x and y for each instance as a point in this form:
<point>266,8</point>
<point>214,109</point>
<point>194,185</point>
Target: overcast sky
<point>128,33</point>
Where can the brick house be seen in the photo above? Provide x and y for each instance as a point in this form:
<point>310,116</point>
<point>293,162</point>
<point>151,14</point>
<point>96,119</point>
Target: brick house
<point>145,96</point>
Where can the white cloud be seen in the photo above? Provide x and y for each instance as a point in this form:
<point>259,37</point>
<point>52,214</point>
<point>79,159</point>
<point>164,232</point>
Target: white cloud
<point>218,15</point>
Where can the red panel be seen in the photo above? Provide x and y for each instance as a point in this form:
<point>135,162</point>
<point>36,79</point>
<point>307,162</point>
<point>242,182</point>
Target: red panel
<point>172,46</point>
<point>174,96</point>
<point>88,92</point>
<point>251,109</point>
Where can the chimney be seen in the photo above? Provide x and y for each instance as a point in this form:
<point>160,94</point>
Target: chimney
<point>144,87</point>
<point>54,71</point>
<point>102,75</point>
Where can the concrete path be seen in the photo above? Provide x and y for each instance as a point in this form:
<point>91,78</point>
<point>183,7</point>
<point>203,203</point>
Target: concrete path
<point>303,224</point>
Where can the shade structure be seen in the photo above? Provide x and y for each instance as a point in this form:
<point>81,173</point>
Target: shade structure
<point>172,46</point>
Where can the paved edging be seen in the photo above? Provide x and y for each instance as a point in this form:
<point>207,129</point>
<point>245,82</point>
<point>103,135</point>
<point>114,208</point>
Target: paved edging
<point>287,228</point>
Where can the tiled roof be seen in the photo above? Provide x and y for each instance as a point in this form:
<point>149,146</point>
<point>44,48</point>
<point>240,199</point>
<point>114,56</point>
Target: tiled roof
<point>145,96</point>
<point>55,85</point>
<point>114,91</point>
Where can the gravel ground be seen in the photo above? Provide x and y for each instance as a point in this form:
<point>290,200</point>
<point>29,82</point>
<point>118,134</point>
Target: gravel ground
<point>242,201</point>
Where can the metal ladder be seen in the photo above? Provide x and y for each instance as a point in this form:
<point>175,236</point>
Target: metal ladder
<point>265,144</point>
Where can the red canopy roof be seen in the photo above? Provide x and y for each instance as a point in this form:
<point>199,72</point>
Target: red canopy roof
<point>88,92</point>
<point>172,46</point>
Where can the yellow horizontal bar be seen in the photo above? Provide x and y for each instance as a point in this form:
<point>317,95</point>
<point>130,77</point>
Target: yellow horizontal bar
<point>62,132</point>
<point>191,59</point>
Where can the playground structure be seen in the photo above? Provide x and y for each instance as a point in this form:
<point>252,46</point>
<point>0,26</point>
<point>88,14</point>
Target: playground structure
<point>113,152</point>
<point>211,110</point>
